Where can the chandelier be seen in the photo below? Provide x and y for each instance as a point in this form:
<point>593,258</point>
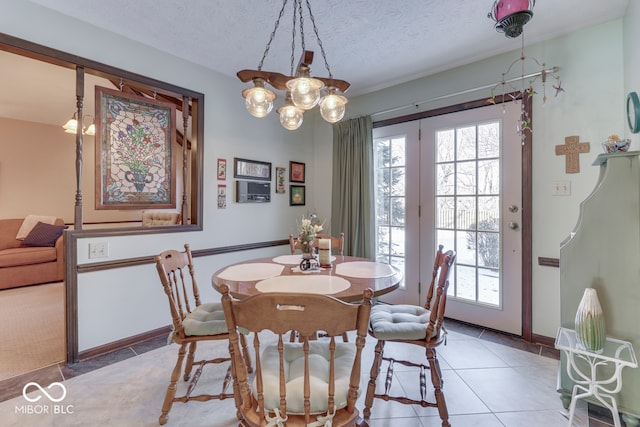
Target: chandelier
<point>72,125</point>
<point>302,92</point>
<point>510,16</point>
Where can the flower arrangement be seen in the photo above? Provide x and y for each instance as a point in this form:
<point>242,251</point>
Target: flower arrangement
<point>138,146</point>
<point>307,231</point>
<point>615,144</point>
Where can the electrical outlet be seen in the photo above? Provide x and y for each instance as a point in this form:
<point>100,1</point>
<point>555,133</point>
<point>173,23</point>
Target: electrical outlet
<point>98,250</point>
<point>561,188</point>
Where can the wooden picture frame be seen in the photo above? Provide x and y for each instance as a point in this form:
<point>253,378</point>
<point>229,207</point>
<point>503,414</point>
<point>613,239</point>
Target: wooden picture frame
<point>135,153</point>
<point>296,172</point>
<point>297,195</point>
<point>281,175</point>
<point>251,169</point>
<point>222,169</point>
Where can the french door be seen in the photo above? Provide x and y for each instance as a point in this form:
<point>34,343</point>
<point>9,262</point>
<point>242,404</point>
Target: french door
<point>455,180</point>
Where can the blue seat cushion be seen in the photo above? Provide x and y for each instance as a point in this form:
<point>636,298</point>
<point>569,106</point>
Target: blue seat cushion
<point>399,322</point>
<point>206,319</point>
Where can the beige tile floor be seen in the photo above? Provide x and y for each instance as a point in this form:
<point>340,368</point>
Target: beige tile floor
<point>486,384</point>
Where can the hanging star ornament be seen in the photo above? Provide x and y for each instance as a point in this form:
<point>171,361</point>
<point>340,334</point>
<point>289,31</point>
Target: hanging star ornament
<point>558,88</point>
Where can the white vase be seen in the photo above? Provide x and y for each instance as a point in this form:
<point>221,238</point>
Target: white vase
<point>589,324</point>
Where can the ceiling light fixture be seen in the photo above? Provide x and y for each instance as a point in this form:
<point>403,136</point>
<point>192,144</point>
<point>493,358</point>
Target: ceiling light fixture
<point>303,92</point>
<point>510,17</point>
<point>72,125</point>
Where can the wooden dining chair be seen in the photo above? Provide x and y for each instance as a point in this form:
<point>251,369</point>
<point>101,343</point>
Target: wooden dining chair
<point>414,325</point>
<point>306,383</point>
<point>337,243</point>
<point>192,322</point>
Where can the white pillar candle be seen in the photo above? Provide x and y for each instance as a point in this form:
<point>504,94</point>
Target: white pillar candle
<point>324,253</point>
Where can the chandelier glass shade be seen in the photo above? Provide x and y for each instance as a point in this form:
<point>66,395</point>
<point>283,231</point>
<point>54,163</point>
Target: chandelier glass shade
<point>303,91</point>
<point>290,115</point>
<point>258,99</point>
<point>72,125</point>
<point>332,106</point>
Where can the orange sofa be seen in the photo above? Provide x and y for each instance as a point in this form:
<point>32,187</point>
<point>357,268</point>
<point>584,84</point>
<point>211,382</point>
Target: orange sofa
<point>28,265</point>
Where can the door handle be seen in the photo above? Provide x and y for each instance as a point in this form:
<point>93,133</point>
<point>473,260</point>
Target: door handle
<point>513,209</point>
<point>513,225</point>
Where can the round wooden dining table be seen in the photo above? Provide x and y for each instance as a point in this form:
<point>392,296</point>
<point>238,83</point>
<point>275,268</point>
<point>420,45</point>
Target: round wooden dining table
<point>346,279</point>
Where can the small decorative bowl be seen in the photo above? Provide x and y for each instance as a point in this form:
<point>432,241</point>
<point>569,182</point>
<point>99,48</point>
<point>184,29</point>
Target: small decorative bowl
<point>613,146</point>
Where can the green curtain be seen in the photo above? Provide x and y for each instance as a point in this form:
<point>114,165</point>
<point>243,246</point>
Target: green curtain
<point>353,197</point>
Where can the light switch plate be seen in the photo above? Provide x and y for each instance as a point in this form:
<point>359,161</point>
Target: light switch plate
<point>98,250</point>
<point>561,188</point>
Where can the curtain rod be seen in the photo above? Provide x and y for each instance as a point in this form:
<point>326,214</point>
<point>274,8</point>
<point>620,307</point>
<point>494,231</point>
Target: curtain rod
<point>554,69</point>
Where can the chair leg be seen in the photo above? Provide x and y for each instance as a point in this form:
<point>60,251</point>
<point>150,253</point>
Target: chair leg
<point>438,382</point>
<point>171,390</point>
<point>345,337</point>
<point>190,359</point>
<point>371,387</point>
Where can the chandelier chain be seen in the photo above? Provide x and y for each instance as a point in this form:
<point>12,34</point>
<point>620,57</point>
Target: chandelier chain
<point>273,34</point>
<point>293,36</point>
<point>315,29</point>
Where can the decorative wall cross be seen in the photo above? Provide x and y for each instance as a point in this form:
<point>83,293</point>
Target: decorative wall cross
<point>572,149</point>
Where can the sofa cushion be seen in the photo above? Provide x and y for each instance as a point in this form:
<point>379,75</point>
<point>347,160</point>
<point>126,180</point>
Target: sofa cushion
<point>30,221</point>
<point>43,235</point>
<point>26,256</point>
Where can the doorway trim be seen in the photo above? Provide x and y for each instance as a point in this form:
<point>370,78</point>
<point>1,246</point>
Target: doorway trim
<point>527,186</point>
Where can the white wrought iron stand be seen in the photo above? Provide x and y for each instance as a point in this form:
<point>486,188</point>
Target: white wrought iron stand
<point>616,352</point>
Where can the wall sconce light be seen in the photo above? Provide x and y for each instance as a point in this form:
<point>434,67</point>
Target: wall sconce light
<point>72,125</point>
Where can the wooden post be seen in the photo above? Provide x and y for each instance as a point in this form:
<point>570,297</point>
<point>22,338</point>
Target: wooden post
<point>77,217</point>
<point>185,141</point>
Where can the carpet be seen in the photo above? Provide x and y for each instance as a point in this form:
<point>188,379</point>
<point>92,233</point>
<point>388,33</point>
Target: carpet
<point>33,332</point>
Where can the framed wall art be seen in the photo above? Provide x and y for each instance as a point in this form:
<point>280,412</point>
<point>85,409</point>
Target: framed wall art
<point>297,195</point>
<point>296,172</point>
<point>280,177</point>
<point>135,151</point>
<point>251,169</point>
<point>222,196</point>
<point>222,169</point>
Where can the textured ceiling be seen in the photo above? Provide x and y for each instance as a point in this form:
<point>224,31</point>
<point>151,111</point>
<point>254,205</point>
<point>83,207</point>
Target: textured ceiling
<point>372,44</point>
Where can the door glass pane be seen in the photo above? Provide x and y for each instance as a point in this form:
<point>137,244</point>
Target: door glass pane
<point>397,181</point>
<point>489,140</point>
<point>445,148</point>
<point>466,143</point>
<point>445,213</point>
<point>489,177</point>
<point>468,208</point>
<point>466,282</point>
<point>445,178</point>
<point>397,211</point>
<point>398,152</point>
<point>466,178</point>
<point>465,212</point>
